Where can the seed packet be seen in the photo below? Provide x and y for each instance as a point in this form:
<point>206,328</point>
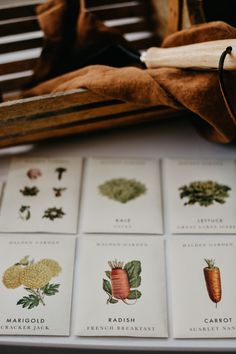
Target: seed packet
<point>122,196</point>
<point>201,195</point>
<point>202,287</point>
<point>36,284</point>
<point>42,195</point>
<point>121,286</point>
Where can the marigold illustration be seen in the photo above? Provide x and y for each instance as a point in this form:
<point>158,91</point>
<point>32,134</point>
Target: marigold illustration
<point>52,265</point>
<point>35,278</point>
<point>11,277</point>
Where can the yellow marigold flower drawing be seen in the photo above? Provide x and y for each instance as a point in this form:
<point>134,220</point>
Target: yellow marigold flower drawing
<point>11,277</point>
<point>35,276</point>
<point>52,265</point>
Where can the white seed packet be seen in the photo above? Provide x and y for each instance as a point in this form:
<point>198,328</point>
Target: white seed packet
<point>36,284</point>
<point>201,195</point>
<point>203,286</point>
<point>122,289</point>
<point>122,196</point>
<point>42,195</point>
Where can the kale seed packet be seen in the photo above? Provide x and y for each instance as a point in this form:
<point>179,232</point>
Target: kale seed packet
<point>122,289</point>
<point>202,289</point>
<point>36,284</point>
<point>122,196</point>
<point>42,195</point>
<point>201,195</point>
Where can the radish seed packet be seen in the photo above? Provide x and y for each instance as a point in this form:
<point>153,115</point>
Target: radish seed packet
<point>122,291</point>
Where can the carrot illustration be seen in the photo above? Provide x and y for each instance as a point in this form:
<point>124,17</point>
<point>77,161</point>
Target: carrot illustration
<point>213,281</point>
<point>119,280</point>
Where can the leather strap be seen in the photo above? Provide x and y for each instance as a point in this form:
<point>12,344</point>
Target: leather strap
<point>228,104</point>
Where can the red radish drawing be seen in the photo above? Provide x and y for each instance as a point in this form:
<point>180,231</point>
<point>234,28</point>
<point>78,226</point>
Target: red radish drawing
<point>124,279</point>
<point>119,280</point>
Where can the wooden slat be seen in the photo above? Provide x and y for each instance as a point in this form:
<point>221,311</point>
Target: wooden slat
<point>13,84</point>
<point>47,103</point>
<point>11,28</point>
<point>126,119</point>
<point>61,117</point>
<point>20,45</point>
<point>138,10</point>
<point>132,27</point>
<point>18,66</point>
<point>144,43</point>
<point>17,12</point>
<point>96,3</point>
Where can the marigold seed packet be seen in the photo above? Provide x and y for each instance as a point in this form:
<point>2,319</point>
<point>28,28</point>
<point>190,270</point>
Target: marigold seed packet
<point>201,196</point>
<point>122,289</point>
<point>42,195</point>
<point>122,196</point>
<point>36,284</point>
<point>201,286</point>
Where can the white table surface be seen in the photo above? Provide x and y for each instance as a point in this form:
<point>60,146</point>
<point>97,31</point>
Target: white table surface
<point>156,140</point>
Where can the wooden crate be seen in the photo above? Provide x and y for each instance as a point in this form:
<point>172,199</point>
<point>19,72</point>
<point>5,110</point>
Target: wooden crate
<point>48,116</point>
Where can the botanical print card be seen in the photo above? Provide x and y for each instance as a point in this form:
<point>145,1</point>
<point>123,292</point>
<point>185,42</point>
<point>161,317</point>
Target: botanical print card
<point>122,196</point>
<point>201,195</point>
<point>42,195</point>
<point>36,284</point>
<point>203,286</point>
<point>122,289</point>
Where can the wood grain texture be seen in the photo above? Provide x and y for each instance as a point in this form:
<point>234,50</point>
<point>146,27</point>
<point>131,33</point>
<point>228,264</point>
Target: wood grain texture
<point>79,111</point>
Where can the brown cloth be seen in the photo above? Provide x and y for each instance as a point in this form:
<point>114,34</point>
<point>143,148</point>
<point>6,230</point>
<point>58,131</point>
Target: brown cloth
<point>197,91</point>
<point>74,38</point>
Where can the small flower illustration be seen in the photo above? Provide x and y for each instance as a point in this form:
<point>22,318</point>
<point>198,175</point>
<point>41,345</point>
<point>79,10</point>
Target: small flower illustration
<point>34,173</point>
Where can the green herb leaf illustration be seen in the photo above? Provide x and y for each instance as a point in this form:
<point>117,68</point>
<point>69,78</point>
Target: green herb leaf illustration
<point>108,274</point>
<point>29,302</point>
<point>134,294</point>
<point>107,286</point>
<point>50,289</point>
<point>204,193</point>
<point>29,191</point>
<point>122,189</point>
<point>53,213</point>
<point>133,269</point>
<point>113,301</point>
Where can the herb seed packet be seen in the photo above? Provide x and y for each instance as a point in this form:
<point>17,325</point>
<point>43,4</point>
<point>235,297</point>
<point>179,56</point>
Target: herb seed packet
<point>121,287</point>
<point>203,286</point>
<point>122,196</point>
<point>36,284</point>
<point>42,195</point>
<point>201,195</point>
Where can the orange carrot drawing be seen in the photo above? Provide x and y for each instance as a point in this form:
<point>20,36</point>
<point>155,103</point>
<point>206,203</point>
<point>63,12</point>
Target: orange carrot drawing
<point>213,281</point>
